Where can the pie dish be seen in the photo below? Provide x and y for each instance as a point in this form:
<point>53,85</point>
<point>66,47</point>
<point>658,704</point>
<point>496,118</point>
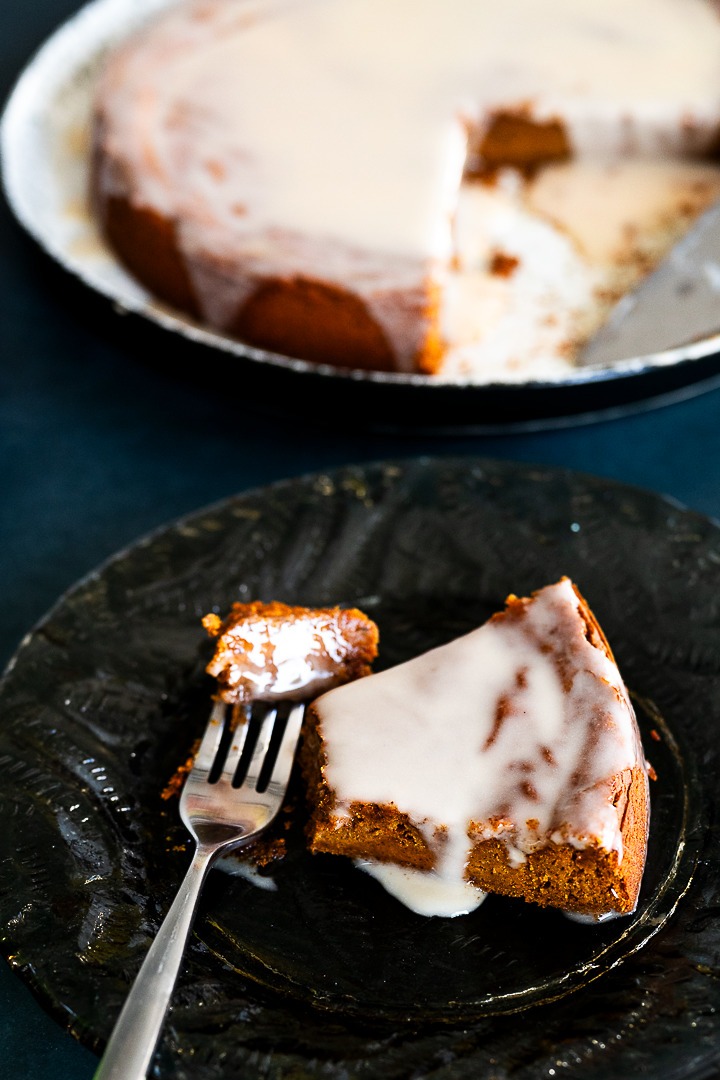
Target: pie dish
<point>45,156</point>
<point>447,188</point>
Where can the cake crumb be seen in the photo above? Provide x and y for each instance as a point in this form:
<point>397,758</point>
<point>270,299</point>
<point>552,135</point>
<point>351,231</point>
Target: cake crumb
<point>503,265</point>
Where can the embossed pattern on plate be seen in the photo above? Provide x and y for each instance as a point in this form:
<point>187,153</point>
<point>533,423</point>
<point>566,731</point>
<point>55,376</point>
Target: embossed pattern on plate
<point>323,974</point>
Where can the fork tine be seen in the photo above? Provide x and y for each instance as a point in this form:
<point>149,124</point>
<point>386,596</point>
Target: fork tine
<point>262,744</point>
<point>286,752</point>
<point>241,733</point>
<point>208,748</point>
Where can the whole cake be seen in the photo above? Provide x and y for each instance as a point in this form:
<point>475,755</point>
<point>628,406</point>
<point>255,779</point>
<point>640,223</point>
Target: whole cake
<point>269,651</point>
<point>313,176</point>
<point>507,761</point>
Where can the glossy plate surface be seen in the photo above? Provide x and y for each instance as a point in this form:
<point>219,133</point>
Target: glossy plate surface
<point>320,973</point>
<point>45,154</point>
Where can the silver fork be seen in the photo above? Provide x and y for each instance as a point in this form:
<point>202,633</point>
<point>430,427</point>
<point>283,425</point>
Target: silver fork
<point>233,791</point>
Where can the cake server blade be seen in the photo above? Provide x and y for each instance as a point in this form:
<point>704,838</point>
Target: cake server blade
<point>677,304</point>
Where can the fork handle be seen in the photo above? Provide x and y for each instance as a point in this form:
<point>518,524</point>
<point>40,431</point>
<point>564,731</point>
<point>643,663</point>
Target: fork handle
<point>136,1033</point>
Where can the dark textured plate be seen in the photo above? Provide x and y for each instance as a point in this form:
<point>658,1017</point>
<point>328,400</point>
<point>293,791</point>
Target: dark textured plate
<point>324,975</point>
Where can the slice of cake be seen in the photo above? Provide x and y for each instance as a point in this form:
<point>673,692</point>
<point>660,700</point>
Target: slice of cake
<point>507,761</point>
<point>290,173</point>
<point>264,652</point>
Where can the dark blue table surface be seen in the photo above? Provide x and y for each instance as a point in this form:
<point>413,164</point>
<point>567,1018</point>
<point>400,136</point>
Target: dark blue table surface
<point>99,443</point>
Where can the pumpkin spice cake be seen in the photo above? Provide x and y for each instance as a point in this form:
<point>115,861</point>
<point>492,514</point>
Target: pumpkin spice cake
<point>398,186</point>
<point>507,761</point>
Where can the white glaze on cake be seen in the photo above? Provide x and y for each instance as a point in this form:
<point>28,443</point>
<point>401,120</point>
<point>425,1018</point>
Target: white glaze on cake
<point>326,138</point>
<point>513,731</point>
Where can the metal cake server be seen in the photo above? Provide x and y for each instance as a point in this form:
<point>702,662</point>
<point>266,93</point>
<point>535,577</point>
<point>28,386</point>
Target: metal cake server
<point>677,304</point>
